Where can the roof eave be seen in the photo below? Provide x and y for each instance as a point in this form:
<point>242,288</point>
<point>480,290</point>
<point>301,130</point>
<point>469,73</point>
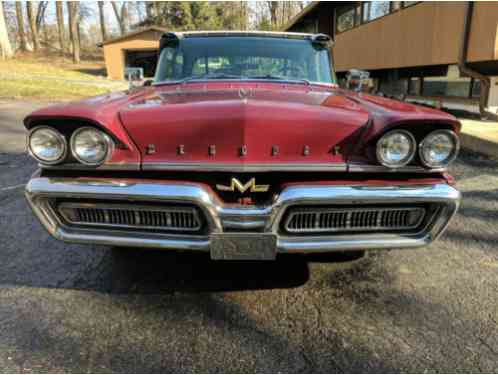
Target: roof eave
<point>298,17</point>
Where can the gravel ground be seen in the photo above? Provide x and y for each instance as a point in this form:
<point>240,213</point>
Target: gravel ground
<point>71,308</point>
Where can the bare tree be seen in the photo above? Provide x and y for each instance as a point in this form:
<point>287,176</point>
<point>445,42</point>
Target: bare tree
<point>5,47</point>
<point>40,14</point>
<point>158,8</point>
<point>273,8</point>
<point>23,45</point>
<point>149,9</point>
<point>60,26</point>
<point>121,16</point>
<point>103,29</point>
<point>73,11</point>
<point>32,25</point>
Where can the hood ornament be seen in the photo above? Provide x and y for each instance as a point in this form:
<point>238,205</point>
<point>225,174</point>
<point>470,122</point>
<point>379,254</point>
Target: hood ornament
<point>235,184</point>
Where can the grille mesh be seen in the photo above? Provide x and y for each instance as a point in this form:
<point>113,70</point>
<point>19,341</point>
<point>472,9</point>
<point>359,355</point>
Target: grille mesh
<point>130,216</point>
<point>306,220</point>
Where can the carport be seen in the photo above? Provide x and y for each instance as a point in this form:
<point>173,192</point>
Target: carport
<point>137,49</point>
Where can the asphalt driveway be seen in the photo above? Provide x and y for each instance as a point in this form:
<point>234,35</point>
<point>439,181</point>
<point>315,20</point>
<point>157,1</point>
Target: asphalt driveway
<point>71,308</point>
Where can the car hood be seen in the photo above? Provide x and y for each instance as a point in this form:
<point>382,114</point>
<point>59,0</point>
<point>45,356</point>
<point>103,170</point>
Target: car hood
<point>243,123</point>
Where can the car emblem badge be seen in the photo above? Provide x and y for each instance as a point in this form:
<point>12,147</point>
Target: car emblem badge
<point>235,184</point>
<point>243,93</point>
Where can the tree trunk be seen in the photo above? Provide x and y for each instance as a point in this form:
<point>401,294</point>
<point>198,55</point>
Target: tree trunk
<point>243,15</point>
<point>121,16</point>
<point>40,14</point>
<point>23,43</point>
<point>78,27</point>
<point>273,7</point>
<point>73,9</point>
<point>157,9</point>
<point>60,26</point>
<point>149,9</point>
<point>124,17</point>
<point>5,47</point>
<point>32,25</point>
<point>102,21</point>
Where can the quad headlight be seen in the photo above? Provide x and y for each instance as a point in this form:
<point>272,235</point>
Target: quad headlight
<point>396,148</point>
<point>90,146</point>
<point>439,148</point>
<point>47,145</point>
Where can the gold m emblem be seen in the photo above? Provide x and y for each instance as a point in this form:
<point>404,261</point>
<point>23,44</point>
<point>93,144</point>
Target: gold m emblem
<point>242,188</point>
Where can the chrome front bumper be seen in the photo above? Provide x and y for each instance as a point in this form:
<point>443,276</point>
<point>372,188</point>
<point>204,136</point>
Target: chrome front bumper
<point>222,218</point>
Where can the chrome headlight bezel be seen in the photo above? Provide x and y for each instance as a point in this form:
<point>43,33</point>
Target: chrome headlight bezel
<point>106,140</point>
<point>407,159</point>
<point>456,141</point>
<point>60,137</point>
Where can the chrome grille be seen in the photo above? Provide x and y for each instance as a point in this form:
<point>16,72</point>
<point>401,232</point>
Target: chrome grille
<point>310,219</point>
<point>174,218</point>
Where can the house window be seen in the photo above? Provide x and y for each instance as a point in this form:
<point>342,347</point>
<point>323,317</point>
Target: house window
<point>442,86</point>
<point>375,9</point>
<point>345,18</point>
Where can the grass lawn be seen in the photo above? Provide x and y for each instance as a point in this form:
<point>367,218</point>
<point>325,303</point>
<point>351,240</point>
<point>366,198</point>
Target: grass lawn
<point>53,78</point>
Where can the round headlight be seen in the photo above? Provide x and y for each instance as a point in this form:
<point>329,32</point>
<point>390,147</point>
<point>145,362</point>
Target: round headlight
<point>396,148</point>
<point>439,148</point>
<point>47,145</point>
<point>90,146</point>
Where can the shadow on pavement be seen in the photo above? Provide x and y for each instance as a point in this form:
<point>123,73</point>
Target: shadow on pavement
<point>149,271</point>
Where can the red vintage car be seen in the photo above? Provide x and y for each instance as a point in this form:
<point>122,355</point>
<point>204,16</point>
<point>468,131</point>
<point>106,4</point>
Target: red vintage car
<point>243,146</point>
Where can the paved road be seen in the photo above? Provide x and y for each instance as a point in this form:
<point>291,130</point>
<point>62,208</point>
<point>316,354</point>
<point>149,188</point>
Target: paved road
<point>70,308</point>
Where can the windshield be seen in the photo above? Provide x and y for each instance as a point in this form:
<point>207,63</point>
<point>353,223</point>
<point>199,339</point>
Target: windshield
<point>228,57</point>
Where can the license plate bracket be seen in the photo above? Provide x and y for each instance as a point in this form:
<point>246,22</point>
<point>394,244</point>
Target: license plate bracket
<point>243,246</point>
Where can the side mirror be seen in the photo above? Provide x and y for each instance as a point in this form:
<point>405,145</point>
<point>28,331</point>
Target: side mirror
<point>356,79</point>
<point>135,77</point>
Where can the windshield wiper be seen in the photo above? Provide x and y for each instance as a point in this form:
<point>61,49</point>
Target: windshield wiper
<point>211,76</point>
<point>199,77</point>
<point>280,78</point>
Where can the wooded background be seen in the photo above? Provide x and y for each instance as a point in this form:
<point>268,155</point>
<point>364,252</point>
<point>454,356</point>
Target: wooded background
<point>76,28</point>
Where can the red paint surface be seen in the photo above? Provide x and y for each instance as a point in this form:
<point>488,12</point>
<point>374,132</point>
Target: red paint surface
<point>198,115</point>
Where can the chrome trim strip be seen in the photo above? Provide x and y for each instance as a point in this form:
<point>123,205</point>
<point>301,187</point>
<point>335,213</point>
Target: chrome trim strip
<point>383,169</point>
<point>241,167</point>
<point>210,167</point>
<point>83,167</point>
<point>341,243</point>
<point>40,191</point>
